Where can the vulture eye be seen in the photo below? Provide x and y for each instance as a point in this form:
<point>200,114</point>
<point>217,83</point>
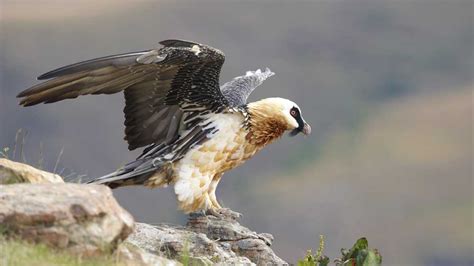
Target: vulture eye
<point>293,112</point>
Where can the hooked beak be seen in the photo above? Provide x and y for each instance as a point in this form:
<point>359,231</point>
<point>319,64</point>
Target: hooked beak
<point>305,129</point>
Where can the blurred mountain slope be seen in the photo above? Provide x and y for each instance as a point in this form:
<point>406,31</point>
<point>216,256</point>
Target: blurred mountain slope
<point>403,179</point>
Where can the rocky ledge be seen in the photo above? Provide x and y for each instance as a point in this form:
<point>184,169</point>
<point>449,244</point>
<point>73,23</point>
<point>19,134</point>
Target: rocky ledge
<point>87,220</point>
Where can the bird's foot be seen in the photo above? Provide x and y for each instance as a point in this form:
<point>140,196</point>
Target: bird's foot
<point>224,213</point>
<point>200,213</point>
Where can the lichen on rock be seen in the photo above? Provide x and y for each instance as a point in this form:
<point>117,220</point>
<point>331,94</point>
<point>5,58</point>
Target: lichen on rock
<point>14,172</point>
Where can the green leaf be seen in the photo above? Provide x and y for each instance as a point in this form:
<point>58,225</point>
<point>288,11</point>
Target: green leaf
<point>324,261</point>
<point>308,260</point>
<point>362,243</point>
<point>373,259</point>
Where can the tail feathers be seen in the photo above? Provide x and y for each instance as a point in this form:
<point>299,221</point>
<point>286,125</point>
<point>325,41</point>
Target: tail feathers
<point>134,173</point>
<point>120,179</point>
<point>112,177</point>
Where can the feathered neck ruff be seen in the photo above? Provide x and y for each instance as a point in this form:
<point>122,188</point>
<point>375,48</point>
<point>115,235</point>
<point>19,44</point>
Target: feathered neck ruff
<point>265,123</point>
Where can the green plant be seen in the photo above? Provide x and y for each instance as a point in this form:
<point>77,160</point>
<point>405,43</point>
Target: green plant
<point>317,259</point>
<point>358,255</point>
<point>4,152</point>
<point>185,257</point>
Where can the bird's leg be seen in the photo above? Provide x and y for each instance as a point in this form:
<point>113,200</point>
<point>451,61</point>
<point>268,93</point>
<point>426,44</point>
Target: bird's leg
<point>216,209</point>
<point>212,212</point>
<point>212,191</point>
<point>215,203</point>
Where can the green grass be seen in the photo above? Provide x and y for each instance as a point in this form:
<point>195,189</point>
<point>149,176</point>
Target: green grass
<point>19,253</point>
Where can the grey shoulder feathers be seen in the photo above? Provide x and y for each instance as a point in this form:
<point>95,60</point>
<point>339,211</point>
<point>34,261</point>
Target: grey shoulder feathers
<point>238,89</point>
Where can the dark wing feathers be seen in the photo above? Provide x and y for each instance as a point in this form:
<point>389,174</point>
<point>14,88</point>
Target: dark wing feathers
<point>105,80</point>
<point>159,86</point>
<point>178,43</point>
<point>112,60</point>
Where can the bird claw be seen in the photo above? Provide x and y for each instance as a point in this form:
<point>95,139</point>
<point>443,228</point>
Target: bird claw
<point>224,213</point>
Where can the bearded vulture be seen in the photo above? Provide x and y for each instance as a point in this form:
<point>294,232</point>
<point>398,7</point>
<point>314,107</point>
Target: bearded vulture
<point>192,129</point>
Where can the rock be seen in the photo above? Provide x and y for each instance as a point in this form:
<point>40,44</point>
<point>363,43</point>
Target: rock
<point>206,240</point>
<point>178,243</point>
<point>13,172</point>
<point>84,219</point>
<point>129,254</point>
<point>241,240</point>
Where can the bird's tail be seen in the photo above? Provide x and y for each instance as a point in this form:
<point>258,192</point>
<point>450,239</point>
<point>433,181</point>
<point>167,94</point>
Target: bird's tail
<point>119,179</point>
<point>134,173</point>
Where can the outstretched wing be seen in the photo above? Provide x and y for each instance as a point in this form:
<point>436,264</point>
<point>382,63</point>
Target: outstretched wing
<point>238,90</point>
<point>159,86</point>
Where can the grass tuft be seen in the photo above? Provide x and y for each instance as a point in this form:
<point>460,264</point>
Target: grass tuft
<point>17,252</point>
<point>318,259</point>
<point>18,155</point>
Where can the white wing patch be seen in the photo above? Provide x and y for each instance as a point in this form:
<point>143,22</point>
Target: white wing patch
<point>196,50</point>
